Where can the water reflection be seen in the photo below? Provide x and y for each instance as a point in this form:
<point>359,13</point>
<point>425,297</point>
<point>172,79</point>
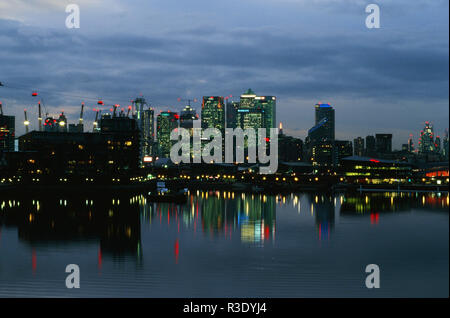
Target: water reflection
<point>115,223</point>
<point>222,214</point>
<point>109,222</point>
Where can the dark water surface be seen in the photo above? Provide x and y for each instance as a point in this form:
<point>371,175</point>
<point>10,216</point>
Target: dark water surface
<point>224,244</point>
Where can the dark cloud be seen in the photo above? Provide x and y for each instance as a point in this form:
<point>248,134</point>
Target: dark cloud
<point>375,69</point>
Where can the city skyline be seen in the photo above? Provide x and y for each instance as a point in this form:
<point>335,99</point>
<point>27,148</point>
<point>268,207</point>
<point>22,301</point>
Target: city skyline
<point>397,143</point>
<point>400,69</point>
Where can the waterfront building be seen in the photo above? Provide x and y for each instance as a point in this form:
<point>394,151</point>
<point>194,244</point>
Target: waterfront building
<point>114,150</point>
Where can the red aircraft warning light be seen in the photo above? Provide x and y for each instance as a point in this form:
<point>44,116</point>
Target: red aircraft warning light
<point>34,93</point>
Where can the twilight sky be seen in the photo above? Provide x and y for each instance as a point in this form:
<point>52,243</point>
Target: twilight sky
<point>387,80</point>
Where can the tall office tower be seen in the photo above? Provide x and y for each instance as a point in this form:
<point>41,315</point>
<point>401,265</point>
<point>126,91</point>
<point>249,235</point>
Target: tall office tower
<point>147,135</point>
<point>383,143</point>
<point>320,140</point>
<point>445,145</point>
<point>268,106</point>
<point>325,118</point>
<point>7,132</point>
<point>256,111</point>
<point>370,146</point>
<point>410,143</point>
<point>187,117</point>
<point>188,120</point>
<point>166,122</point>
<point>145,122</point>
<point>213,113</point>
<point>231,114</point>
<point>358,146</point>
<point>437,145</point>
<point>139,104</point>
<point>426,139</point>
<point>62,123</point>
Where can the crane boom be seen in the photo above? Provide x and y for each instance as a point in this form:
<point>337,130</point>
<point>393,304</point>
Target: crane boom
<point>26,122</point>
<point>81,113</point>
<point>40,116</point>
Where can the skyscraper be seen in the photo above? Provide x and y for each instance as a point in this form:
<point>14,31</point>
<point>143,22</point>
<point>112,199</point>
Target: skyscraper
<point>445,145</point>
<point>320,140</point>
<point>231,114</point>
<point>147,134</point>
<point>426,139</point>
<point>383,143</point>
<point>166,122</point>
<point>358,146</point>
<point>410,143</point>
<point>256,111</point>
<point>325,117</point>
<point>370,146</point>
<point>213,112</point>
<point>187,117</point>
<point>188,120</point>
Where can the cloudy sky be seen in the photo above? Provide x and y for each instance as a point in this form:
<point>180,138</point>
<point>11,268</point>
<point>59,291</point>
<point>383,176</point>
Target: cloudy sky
<point>386,80</point>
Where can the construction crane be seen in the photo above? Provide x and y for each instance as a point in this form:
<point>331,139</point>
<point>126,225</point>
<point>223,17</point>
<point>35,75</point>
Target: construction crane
<point>81,114</point>
<point>187,100</point>
<point>96,119</point>
<point>115,109</point>
<point>40,116</point>
<point>26,122</point>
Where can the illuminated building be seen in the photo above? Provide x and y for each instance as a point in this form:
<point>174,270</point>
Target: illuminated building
<point>342,149</point>
<point>371,170</point>
<point>320,140</point>
<point>50,124</point>
<point>445,146</point>
<point>213,113</point>
<point>231,114</point>
<point>426,139</point>
<point>324,117</point>
<point>188,117</point>
<point>147,130</point>
<point>114,150</point>
<point>410,144</point>
<point>7,132</point>
<point>165,122</point>
<point>62,123</point>
<point>256,111</point>
<point>437,144</point>
<point>145,122</point>
<point>358,146</point>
